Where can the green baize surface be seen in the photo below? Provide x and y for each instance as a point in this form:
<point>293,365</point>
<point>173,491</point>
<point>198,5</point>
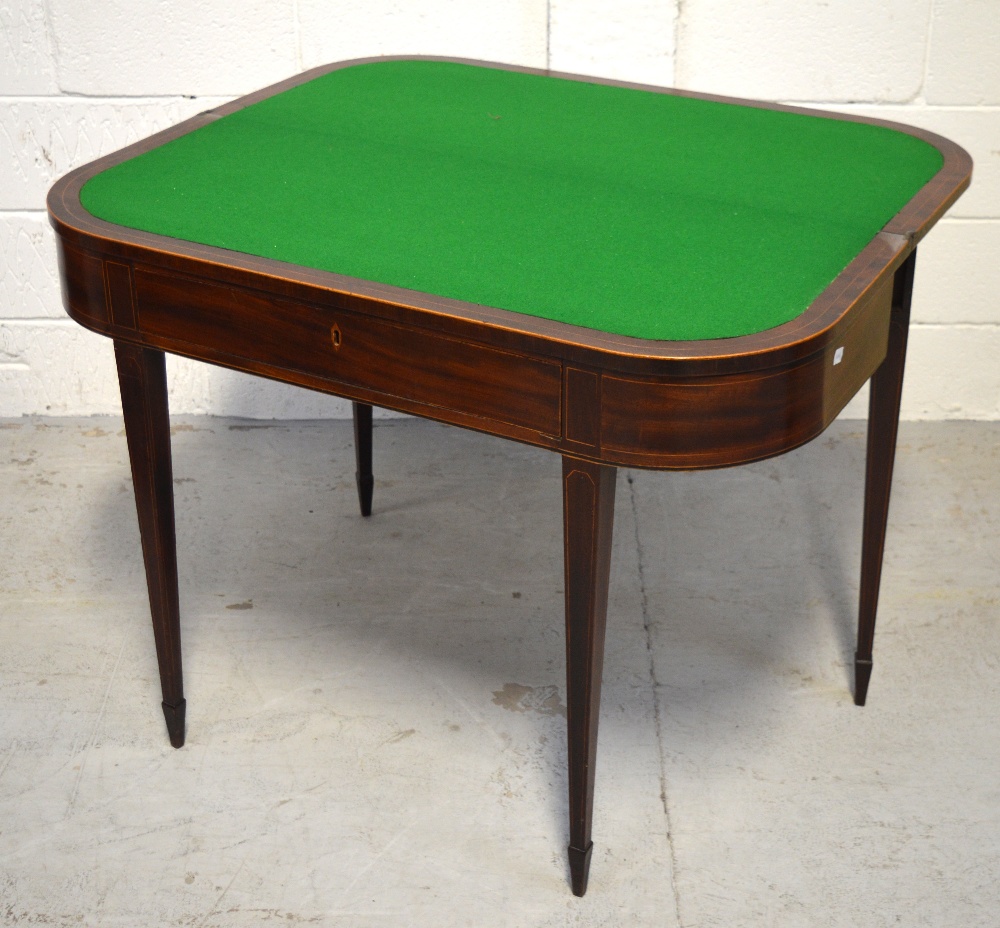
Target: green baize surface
<point>626,211</point>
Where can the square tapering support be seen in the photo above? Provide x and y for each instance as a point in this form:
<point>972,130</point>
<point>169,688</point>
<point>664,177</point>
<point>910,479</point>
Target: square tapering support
<point>588,521</point>
<point>142,376</point>
<point>362,414</point>
<point>883,426</point>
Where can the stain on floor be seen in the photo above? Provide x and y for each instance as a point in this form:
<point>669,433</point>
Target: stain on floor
<point>516,697</point>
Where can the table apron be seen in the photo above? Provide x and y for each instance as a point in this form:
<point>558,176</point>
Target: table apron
<point>601,414</point>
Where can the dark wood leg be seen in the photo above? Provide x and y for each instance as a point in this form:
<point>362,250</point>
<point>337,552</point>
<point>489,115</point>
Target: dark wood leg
<point>143,379</point>
<point>363,455</point>
<point>588,520</point>
<point>883,424</point>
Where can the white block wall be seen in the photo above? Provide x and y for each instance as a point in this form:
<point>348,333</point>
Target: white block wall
<point>79,78</point>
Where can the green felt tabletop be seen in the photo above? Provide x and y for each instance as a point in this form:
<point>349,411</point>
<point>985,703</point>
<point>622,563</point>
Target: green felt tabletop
<point>627,211</point>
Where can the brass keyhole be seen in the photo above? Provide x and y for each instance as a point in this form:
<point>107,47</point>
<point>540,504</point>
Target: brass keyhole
<point>335,336</point>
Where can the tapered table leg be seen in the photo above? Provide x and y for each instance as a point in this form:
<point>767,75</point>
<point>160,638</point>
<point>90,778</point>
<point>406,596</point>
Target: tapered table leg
<point>883,425</point>
<point>143,380</point>
<point>588,519</point>
<point>363,455</point>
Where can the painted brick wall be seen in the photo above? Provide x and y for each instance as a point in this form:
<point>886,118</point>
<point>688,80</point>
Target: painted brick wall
<point>79,78</point>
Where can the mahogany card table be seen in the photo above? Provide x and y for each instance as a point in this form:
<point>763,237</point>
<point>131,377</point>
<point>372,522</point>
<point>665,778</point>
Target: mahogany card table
<point>626,275</point>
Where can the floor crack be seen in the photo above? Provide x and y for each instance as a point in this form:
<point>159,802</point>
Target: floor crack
<point>657,699</point>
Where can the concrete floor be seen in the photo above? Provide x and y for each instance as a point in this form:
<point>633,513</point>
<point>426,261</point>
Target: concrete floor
<point>375,707</point>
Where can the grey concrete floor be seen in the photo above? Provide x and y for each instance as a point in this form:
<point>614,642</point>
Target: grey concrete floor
<point>376,707</point>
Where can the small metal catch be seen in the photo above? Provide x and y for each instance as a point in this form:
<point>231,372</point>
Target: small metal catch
<point>335,336</point>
